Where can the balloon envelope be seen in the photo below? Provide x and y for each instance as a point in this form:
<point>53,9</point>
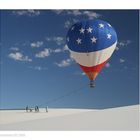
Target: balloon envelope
<point>91,44</point>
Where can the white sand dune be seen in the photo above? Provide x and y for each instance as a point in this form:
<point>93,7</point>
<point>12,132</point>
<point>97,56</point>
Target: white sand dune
<point>121,118</point>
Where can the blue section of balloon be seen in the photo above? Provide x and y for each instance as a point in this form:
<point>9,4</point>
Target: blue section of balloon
<point>90,36</point>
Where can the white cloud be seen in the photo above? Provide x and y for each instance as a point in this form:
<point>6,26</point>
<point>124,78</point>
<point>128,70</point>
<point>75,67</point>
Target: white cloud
<point>14,49</point>
<point>78,13</point>
<point>74,12</point>
<point>91,14</point>
<point>59,11</point>
<point>122,60</point>
<point>83,73</point>
<point>70,22</point>
<point>84,14</point>
<point>44,53</point>
<point>37,44</point>
<point>67,24</point>
<point>57,50</point>
<point>64,63</point>
<point>88,13</point>
<point>48,39</point>
<point>58,40</point>
<point>117,48</point>
<point>48,51</point>
<point>39,68</point>
<point>65,48</point>
<point>80,73</point>
<point>123,43</point>
<point>107,65</point>
<point>19,57</point>
<point>30,13</point>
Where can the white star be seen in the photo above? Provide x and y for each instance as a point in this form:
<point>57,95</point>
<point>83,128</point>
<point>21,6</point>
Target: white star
<point>101,25</point>
<point>79,41</point>
<point>82,30</point>
<point>89,30</point>
<point>93,39</point>
<point>72,28</point>
<point>109,25</point>
<point>109,36</point>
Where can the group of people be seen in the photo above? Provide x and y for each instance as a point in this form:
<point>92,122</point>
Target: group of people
<point>36,109</point>
<point>28,109</point>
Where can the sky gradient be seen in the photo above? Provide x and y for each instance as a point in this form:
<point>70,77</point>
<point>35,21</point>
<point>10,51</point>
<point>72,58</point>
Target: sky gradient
<point>36,67</point>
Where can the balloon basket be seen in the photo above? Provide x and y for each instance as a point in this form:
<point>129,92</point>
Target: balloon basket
<point>92,84</point>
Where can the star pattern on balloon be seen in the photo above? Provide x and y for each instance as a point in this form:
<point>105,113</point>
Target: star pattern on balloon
<point>82,30</point>
<point>79,41</point>
<point>72,28</point>
<point>93,39</point>
<point>101,25</point>
<point>89,30</point>
<point>86,36</point>
<point>109,36</point>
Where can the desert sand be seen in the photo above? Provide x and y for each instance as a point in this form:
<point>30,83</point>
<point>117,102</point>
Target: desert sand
<point>121,118</point>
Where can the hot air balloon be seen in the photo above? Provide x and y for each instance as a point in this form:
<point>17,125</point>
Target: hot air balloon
<point>91,44</point>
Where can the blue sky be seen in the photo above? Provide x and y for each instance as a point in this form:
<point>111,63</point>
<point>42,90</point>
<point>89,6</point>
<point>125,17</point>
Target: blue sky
<point>36,66</point>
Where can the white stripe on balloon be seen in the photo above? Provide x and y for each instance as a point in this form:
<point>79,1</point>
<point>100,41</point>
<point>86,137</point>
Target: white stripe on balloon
<point>90,59</point>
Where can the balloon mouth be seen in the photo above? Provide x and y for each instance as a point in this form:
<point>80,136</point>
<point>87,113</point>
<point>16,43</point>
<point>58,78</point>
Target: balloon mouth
<point>92,72</point>
<point>92,75</point>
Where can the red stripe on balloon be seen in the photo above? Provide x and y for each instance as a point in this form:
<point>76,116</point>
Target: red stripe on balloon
<point>96,68</point>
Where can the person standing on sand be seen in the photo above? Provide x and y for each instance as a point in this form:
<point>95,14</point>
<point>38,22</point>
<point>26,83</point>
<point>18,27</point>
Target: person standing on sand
<point>37,108</point>
<point>47,109</point>
<point>27,108</point>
